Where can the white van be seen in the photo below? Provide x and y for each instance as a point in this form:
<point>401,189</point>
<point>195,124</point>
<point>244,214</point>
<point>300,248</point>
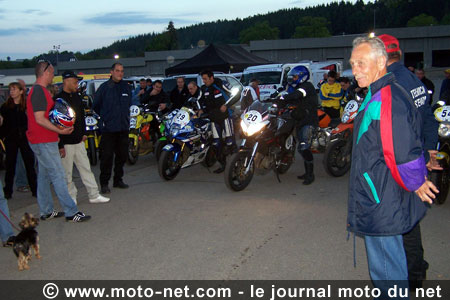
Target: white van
<point>271,77</point>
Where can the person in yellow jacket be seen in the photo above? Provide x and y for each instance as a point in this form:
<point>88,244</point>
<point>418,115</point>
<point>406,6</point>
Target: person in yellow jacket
<point>331,94</point>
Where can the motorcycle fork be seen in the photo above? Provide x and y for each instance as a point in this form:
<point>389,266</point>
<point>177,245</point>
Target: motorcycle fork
<point>252,157</point>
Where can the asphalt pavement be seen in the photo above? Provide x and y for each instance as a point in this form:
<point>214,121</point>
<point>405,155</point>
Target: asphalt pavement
<point>195,228</point>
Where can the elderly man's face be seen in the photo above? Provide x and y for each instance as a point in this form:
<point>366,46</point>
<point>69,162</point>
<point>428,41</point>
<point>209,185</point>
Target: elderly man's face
<point>366,67</point>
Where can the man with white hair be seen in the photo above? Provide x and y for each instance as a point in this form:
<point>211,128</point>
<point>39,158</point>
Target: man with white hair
<point>388,172</point>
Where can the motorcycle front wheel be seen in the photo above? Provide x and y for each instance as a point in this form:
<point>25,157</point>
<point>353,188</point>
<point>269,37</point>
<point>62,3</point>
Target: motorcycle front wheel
<point>158,148</point>
<point>235,177</point>
<point>168,168</point>
<point>92,151</point>
<point>133,152</point>
<point>441,180</point>
<point>335,160</point>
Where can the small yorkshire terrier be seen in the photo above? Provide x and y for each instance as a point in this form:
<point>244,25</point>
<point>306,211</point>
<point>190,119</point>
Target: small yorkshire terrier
<point>25,240</point>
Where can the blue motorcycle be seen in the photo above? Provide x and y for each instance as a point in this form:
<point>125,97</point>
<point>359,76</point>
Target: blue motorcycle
<point>189,142</point>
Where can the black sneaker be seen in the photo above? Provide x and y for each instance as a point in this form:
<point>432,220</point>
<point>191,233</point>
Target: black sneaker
<point>53,214</point>
<point>105,189</point>
<point>120,185</point>
<point>78,217</point>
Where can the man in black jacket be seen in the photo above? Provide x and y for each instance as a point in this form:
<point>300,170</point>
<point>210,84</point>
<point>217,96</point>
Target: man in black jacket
<point>215,101</point>
<point>157,99</point>
<point>72,148</point>
<point>420,73</point>
<point>112,102</point>
<point>179,94</point>
<point>303,94</point>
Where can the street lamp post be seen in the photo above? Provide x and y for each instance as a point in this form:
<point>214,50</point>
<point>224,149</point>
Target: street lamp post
<point>56,48</point>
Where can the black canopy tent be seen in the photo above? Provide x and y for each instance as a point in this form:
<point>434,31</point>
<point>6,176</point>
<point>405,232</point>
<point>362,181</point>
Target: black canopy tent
<point>222,58</point>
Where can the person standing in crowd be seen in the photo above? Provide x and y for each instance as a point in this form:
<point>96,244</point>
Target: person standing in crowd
<point>303,94</point>
<point>412,240</point>
<point>6,231</point>
<point>179,94</point>
<point>348,92</point>
<point>15,125</point>
<point>250,94</point>
<point>194,90</point>
<point>214,101</point>
<point>112,102</point>
<point>445,86</point>
<point>43,138</point>
<point>420,73</point>
<point>72,148</point>
<point>388,173</point>
<point>331,94</point>
<point>139,92</point>
<point>157,99</point>
<point>149,83</point>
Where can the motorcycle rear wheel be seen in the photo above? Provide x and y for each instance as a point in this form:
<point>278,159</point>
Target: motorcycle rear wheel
<point>167,168</point>
<point>441,180</point>
<point>334,162</point>
<point>92,151</point>
<point>133,152</point>
<point>235,177</point>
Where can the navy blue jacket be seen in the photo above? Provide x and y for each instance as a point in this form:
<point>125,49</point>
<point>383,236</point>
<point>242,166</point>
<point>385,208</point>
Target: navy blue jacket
<point>112,102</point>
<point>421,99</point>
<point>387,162</point>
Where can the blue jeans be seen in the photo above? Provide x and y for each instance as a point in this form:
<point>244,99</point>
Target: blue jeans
<point>387,263</point>
<point>5,227</point>
<point>51,170</point>
<point>304,134</point>
<point>21,175</point>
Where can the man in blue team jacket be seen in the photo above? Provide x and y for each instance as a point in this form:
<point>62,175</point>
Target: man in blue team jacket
<point>388,174</point>
<point>112,102</point>
<point>412,240</point>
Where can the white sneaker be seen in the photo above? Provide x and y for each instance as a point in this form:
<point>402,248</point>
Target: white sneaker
<point>99,199</point>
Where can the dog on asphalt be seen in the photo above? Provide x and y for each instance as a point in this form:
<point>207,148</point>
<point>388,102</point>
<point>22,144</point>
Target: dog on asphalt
<point>27,238</point>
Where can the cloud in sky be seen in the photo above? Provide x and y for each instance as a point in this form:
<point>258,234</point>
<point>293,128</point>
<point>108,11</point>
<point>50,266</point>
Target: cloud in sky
<point>34,11</point>
<point>39,28</point>
<point>129,18</point>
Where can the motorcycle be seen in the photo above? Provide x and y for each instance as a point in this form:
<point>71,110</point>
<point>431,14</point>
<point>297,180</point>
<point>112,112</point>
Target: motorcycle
<point>189,143</point>
<point>162,141</point>
<point>441,178</point>
<point>92,142</point>
<point>91,120</point>
<point>268,143</point>
<point>337,156</point>
<point>142,136</point>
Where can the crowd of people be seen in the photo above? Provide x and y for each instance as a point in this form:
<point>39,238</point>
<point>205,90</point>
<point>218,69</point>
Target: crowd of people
<point>395,114</point>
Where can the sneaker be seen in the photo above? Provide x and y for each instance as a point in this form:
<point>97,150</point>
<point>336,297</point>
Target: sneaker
<point>99,199</point>
<point>78,217</point>
<point>121,185</point>
<point>53,214</point>
<point>105,189</point>
<point>23,189</point>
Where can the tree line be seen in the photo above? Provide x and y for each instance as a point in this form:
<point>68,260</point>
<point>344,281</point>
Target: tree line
<point>336,18</point>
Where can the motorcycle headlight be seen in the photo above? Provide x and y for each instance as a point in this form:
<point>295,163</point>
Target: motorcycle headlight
<point>252,129</point>
<point>444,130</point>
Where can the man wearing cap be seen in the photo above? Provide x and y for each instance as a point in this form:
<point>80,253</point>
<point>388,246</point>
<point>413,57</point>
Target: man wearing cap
<point>445,87</point>
<point>418,93</point>
<point>72,148</point>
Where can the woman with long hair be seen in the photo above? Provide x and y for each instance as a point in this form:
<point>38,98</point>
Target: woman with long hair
<point>14,129</point>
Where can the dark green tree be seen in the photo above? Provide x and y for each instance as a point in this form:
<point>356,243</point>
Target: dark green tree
<point>422,20</point>
<point>312,27</point>
<point>166,40</point>
<point>445,20</point>
<point>259,31</point>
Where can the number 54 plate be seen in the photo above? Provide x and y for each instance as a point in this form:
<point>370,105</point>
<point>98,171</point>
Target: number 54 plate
<point>442,114</point>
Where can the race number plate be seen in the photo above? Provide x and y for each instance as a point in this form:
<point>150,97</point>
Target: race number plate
<point>90,121</point>
<point>134,110</point>
<point>182,118</point>
<point>252,117</point>
<point>442,114</point>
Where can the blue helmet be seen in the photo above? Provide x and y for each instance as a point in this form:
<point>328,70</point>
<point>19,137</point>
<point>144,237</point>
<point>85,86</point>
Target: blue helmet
<point>300,71</point>
<point>62,115</point>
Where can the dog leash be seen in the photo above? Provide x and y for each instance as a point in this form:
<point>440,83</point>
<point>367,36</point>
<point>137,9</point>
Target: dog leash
<point>7,219</point>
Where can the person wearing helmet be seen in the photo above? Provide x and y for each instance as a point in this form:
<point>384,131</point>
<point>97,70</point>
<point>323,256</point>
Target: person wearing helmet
<point>302,92</point>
